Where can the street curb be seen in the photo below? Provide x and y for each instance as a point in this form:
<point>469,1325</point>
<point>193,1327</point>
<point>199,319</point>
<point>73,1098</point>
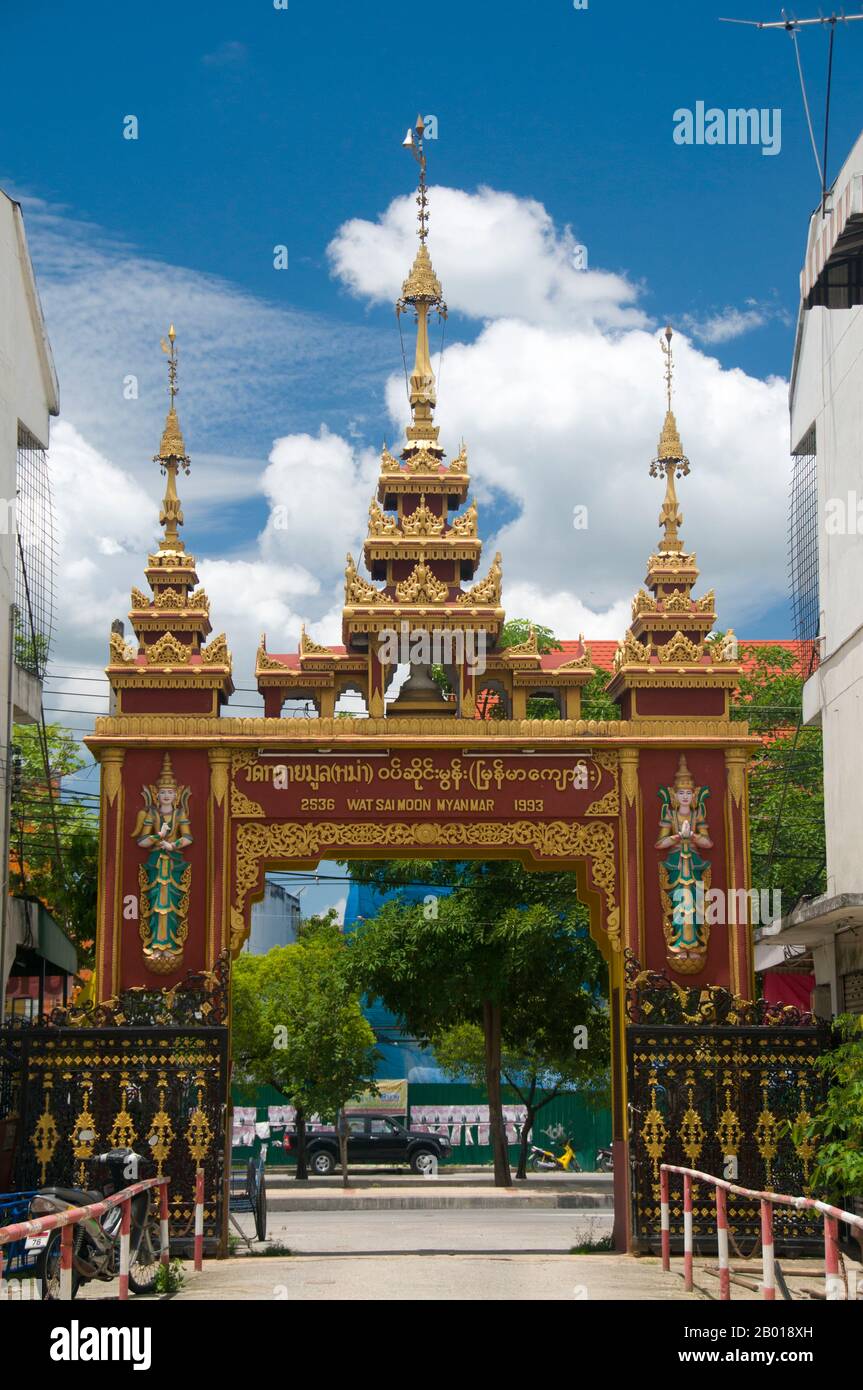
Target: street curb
<point>583,1201</point>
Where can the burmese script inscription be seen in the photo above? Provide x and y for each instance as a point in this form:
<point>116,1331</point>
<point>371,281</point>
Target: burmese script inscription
<point>436,784</point>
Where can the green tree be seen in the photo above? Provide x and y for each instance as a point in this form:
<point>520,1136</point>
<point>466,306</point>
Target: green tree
<point>66,883</point>
<point>835,1132</point>
<point>550,1061</point>
<point>505,951</point>
<point>298,1026</point>
<point>786,784</point>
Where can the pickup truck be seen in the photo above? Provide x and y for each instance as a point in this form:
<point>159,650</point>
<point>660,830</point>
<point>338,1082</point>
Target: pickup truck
<point>376,1139</point>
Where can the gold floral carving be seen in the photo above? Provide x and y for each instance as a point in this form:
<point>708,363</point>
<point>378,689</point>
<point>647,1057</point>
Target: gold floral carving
<point>422,586</point>
<point>169,598</point>
<point>168,651</point>
<point>530,647</point>
<point>459,463</point>
<point>309,647</point>
<point>220,759</point>
<point>242,805</point>
<point>680,650</point>
<point>359,590</point>
<point>629,773</point>
<point>609,804</point>
<point>265,662</point>
<point>707,602</point>
<point>466,524</point>
<point>112,772</point>
<point>630,651</point>
<point>678,601</point>
<point>488,589</point>
<point>423,462</point>
<point>121,652</point>
<point>216,652</point>
<point>735,765</point>
<point>379,523</point>
<point>422,521</point>
<point>643,603</point>
<point>139,599</point>
<point>260,845</point>
<point>388,463</point>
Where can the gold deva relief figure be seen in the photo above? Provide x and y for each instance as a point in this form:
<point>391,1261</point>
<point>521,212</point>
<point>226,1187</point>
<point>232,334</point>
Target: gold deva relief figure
<point>684,876</point>
<point>163,828</point>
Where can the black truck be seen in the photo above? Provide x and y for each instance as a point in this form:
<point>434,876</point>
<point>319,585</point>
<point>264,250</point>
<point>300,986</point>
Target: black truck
<point>377,1139</point>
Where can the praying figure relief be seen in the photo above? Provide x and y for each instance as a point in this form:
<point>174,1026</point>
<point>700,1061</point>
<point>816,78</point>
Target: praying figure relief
<point>163,828</point>
<point>684,877</point>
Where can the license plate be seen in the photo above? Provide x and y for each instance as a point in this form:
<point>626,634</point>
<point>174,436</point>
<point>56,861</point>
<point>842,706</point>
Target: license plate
<point>36,1242</point>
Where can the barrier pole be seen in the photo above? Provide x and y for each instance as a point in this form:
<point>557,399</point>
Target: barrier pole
<point>687,1233</point>
<point>834,1285</point>
<point>164,1234</point>
<point>199,1219</point>
<point>66,1264</point>
<point>4,1292</point>
<point>769,1286</point>
<point>665,1220</point>
<point>722,1243</point>
<point>125,1230</point>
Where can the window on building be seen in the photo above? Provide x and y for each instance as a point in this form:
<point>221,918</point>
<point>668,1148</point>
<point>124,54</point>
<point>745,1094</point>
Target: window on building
<point>803,540</point>
<point>34,556</point>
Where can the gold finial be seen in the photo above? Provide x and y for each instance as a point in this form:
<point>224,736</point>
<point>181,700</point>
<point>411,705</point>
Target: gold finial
<point>422,292</point>
<point>669,362</point>
<point>172,454</point>
<point>670,461</point>
<point>414,142</point>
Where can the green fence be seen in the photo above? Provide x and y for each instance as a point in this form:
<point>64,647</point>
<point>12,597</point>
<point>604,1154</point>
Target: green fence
<point>459,1109</point>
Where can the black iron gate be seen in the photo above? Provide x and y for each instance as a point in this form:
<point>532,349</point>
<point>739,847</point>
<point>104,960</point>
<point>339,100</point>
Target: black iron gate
<point>726,1086</point>
<point>148,1071</point>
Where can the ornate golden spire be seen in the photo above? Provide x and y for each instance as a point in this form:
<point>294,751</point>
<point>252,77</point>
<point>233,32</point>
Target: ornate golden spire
<point>670,461</point>
<point>421,291</point>
<point>172,455</point>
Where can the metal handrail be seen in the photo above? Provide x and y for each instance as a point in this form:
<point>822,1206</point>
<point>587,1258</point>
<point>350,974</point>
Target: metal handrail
<point>835,1287</point>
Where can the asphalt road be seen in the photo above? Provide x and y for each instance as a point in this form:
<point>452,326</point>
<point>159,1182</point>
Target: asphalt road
<point>370,1232</point>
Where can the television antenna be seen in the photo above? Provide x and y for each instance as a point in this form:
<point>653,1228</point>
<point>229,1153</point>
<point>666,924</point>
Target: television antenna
<point>792,25</point>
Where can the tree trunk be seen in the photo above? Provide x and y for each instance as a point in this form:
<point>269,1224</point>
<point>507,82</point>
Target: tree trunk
<point>302,1172</point>
<point>527,1130</point>
<point>343,1157</point>
<point>491,1031</point>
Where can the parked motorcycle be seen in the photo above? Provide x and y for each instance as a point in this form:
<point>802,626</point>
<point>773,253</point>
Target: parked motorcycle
<point>96,1242</point>
<point>604,1161</point>
<point>544,1160</point>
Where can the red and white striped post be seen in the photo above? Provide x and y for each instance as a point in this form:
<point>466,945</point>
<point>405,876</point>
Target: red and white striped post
<point>769,1286</point>
<point>722,1243</point>
<point>66,1264</point>
<point>834,1285</point>
<point>125,1231</point>
<point>4,1292</point>
<point>687,1233</point>
<point>164,1234</point>
<point>199,1219</point>
<point>665,1219</point>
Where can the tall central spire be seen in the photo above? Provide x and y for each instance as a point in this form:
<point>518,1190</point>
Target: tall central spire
<point>422,291</point>
<point>172,455</point>
<point>670,461</point>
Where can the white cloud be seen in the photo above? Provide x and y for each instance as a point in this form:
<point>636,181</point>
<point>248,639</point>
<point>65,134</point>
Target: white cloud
<point>560,398</point>
<point>724,325</point>
<point>497,255</point>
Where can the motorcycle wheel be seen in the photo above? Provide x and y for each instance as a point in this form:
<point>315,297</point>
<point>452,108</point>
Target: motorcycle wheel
<point>48,1268</point>
<point>144,1263</point>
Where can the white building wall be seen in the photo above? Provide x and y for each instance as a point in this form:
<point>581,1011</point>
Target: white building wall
<point>827,391</point>
<point>28,394</point>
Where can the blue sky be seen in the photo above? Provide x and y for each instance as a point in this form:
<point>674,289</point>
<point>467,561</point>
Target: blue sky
<point>260,126</point>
